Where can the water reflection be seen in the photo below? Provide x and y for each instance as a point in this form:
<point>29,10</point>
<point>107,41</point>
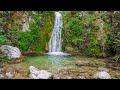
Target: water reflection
<point>58,61</point>
<point>48,62</point>
<point>57,58</point>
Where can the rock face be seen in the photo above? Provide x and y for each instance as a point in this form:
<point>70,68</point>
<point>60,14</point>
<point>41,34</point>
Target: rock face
<point>39,74</point>
<point>102,74</point>
<point>26,20</point>
<point>11,52</point>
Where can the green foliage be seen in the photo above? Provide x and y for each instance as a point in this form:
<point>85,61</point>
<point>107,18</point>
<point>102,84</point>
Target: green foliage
<point>3,58</point>
<point>117,42</point>
<point>29,40</point>
<point>24,40</point>
<point>35,34</point>
<point>92,51</point>
<point>75,30</point>
<point>3,39</point>
<point>45,32</point>
<point>110,44</point>
<point>113,39</point>
<point>81,30</point>
<point>116,58</point>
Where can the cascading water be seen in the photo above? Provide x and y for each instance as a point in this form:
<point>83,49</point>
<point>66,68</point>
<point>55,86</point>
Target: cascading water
<point>55,42</point>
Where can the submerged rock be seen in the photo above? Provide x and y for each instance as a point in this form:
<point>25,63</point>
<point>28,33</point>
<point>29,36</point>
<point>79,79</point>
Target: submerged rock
<point>10,51</point>
<point>39,74</point>
<point>102,75</point>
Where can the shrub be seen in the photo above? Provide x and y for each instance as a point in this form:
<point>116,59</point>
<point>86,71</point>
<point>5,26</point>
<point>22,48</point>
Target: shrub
<point>3,58</point>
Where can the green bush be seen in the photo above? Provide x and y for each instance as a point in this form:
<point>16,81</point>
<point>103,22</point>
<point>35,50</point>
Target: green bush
<point>29,40</point>
<point>24,40</point>
<point>3,58</point>
<point>3,39</point>
<point>80,32</point>
<point>92,51</point>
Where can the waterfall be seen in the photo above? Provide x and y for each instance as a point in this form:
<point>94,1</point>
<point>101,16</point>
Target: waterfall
<point>55,42</point>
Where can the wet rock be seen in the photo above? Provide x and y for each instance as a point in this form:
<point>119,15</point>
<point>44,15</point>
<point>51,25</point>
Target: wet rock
<point>9,75</point>
<point>102,75</point>
<point>10,51</point>
<point>39,74</point>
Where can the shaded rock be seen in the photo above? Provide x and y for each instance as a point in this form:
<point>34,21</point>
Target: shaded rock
<point>39,74</point>
<point>10,51</point>
<point>102,75</point>
<point>9,75</point>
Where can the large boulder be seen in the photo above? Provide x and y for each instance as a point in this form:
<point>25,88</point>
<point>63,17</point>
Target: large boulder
<point>102,74</point>
<point>10,51</point>
<point>39,74</point>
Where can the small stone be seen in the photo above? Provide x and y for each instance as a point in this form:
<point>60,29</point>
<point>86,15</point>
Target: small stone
<point>9,75</point>
<point>1,76</point>
<point>81,77</point>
